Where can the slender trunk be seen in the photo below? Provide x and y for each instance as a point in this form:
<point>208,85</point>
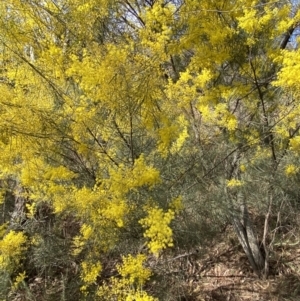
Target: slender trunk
<point>245,232</point>
<point>266,231</point>
<point>243,226</point>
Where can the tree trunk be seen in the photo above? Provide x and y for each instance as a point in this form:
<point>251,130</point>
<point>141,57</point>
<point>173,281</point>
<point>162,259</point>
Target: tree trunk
<point>244,229</point>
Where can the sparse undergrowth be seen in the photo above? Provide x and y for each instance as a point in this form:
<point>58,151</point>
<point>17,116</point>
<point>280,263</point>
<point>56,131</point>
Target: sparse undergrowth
<point>220,271</point>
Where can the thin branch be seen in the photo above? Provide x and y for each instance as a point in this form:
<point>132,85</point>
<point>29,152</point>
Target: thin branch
<point>103,149</point>
<point>131,140</point>
<point>287,37</point>
<point>121,135</point>
<point>266,121</point>
<point>246,147</point>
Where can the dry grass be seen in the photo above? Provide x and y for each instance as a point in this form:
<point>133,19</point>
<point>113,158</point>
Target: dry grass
<point>222,273</point>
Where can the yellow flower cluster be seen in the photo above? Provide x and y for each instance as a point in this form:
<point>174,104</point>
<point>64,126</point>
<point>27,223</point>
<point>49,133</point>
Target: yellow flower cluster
<point>158,229</point>
<point>295,144</point>
<point>19,279</point>
<point>176,205</point>
<point>231,122</point>
<point>120,289</point>
<point>140,296</point>
<point>143,174</point>
<point>166,136</point>
<point>291,170</point>
<point>36,240</point>
<point>90,272</point>
<point>188,86</point>
<point>182,136</point>
<point>288,76</point>
<point>129,286</point>
<point>86,231</point>
<point>243,168</point>
<point>36,170</point>
<point>123,179</point>
<point>79,241</point>
<point>116,211</point>
<point>254,21</point>
<point>156,34</point>
<point>133,269</point>
<point>234,183</point>
<point>218,114</point>
<point>11,249</point>
<point>31,208</point>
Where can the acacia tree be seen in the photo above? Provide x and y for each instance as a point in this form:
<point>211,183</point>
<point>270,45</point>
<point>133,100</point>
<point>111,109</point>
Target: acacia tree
<point>105,102</point>
<point>84,122</point>
<point>230,82</point>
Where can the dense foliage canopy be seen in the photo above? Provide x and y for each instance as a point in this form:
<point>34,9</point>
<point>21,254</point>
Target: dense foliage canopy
<point>126,125</point>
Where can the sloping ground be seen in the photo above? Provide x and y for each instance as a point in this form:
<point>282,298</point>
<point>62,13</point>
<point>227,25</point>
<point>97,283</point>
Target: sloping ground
<point>225,275</point>
<point>220,272</point>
